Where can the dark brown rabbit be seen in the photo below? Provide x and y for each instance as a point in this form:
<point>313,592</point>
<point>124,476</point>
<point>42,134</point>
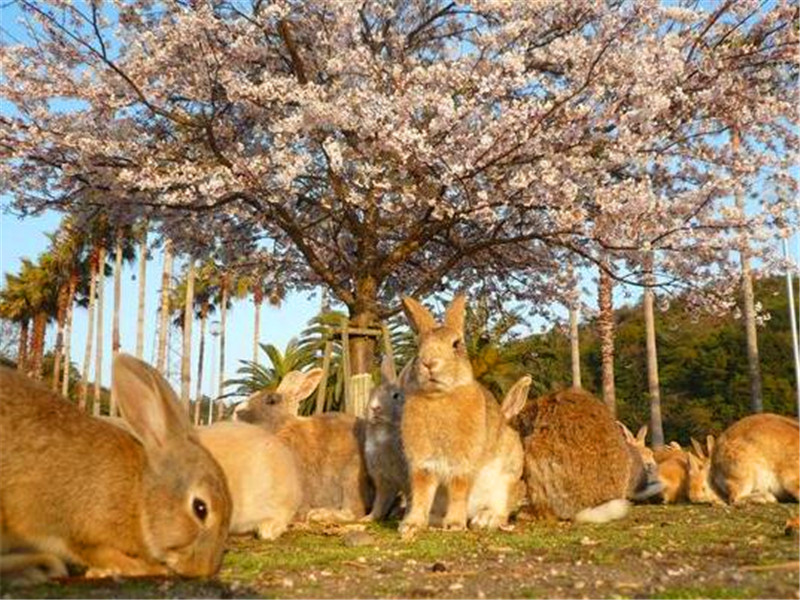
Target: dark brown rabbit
<point>146,499</point>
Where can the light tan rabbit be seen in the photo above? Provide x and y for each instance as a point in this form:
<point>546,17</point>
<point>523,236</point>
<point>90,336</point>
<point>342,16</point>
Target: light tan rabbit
<point>645,483</point>
<point>451,426</point>
<point>699,489</point>
<point>328,448</point>
<point>577,463</point>
<point>757,459</point>
<point>262,477</point>
<point>383,447</point>
<point>83,491</point>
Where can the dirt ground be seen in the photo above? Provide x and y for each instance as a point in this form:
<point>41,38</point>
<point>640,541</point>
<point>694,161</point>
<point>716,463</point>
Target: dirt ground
<point>656,552</point>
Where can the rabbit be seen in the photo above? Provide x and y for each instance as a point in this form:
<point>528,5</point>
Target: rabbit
<point>673,473</point>
<point>645,483</point>
<point>452,429</point>
<point>149,500</point>
<point>383,447</point>
<point>262,476</point>
<point>699,489</point>
<point>757,459</point>
<point>328,448</point>
<point>577,463</point>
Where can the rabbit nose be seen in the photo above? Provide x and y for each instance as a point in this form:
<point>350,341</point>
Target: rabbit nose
<point>432,364</point>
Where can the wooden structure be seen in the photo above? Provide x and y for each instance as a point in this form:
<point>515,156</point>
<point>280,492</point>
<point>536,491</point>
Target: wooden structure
<point>356,387</point>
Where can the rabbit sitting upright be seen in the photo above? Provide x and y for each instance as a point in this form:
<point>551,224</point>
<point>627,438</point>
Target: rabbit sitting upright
<point>452,429</point>
<point>149,500</point>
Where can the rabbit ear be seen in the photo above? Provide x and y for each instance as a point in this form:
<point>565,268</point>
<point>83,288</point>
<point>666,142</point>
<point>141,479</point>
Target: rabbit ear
<point>625,432</point>
<point>695,463</point>
<point>676,445</point>
<point>147,403</point>
<point>421,319</point>
<point>641,435</point>
<point>698,449</point>
<point>388,374</point>
<point>454,315</point>
<point>516,398</point>
<point>710,444</point>
<point>296,386</point>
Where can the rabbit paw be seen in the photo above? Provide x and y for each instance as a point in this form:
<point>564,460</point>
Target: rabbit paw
<point>408,529</point>
<point>25,570</point>
<point>270,530</point>
<point>454,524</point>
<point>101,573</point>
<point>486,519</point>
<point>368,518</point>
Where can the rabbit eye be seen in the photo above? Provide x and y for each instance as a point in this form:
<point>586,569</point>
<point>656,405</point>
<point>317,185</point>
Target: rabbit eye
<point>200,509</point>
<point>396,396</point>
<point>456,344</point>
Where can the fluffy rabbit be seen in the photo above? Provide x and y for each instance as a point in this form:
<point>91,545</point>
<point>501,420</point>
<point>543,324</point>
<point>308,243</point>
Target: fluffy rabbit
<point>328,448</point>
<point>452,429</point>
<point>383,447</point>
<point>645,483</point>
<point>81,490</point>
<point>757,459</point>
<point>262,477</point>
<point>577,463</point>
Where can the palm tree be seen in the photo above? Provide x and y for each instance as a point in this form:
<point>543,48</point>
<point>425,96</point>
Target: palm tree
<point>123,251</point>
<point>39,289</point>
<point>163,328</point>
<point>186,355</point>
<point>15,307</point>
<point>142,282</point>
<point>656,424</point>
<point>98,364</point>
<point>94,268</point>
<point>605,326</point>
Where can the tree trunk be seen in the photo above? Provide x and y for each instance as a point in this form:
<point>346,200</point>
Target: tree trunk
<point>142,287</point>
<point>656,425</point>
<point>166,276</point>
<point>37,345</point>
<point>186,354</point>
<point>61,317</point>
<point>258,299</point>
<point>605,326</point>
<point>200,357</point>
<point>98,363</point>
<point>364,315</point>
<point>22,349</point>
<point>73,284</point>
<point>87,356</point>
<point>575,345</point>
<point>223,324</point>
<point>748,305</point>
<point>115,335</point>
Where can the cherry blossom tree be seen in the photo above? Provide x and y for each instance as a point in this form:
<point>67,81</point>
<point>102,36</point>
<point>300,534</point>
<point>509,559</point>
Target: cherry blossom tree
<point>378,148</point>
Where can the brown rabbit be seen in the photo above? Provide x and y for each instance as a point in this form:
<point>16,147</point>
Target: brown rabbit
<point>757,459</point>
<point>328,448</point>
<point>262,476</point>
<point>451,427</point>
<point>577,463</point>
<point>645,483</point>
<point>86,492</point>
<point>383,447</point>
<point>673,472</point>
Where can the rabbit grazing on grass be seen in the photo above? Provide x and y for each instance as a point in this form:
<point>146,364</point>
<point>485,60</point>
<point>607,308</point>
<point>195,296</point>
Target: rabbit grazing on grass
<point>577,463</point>
<point>452,429</point>
<point>673,473</point>
<point>149,500</point>
<point>327,448</point>
<point>757,459</point>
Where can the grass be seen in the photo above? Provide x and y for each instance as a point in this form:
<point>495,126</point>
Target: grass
<point>657,551</point>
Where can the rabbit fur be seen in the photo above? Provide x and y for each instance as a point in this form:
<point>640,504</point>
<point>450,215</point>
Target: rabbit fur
<point>143,500</point>
<point>328,448</point>
<point>453,430</point>
<point>577,463</point>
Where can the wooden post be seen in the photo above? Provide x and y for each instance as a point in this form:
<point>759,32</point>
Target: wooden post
<point>348,408</point>
<point>387,348</point>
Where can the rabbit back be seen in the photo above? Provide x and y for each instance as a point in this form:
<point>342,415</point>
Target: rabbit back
<point>575,456</point>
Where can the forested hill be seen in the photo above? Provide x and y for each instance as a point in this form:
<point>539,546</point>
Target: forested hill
<point>702,364</point>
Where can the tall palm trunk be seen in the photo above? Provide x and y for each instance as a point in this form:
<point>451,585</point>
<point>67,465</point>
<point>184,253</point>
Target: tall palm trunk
<point>258,299</point>
<point>656,424</point>
<point>186,354</point>
<point>98,360</point>
<point>200,358</point>
<point>73,284</point>
<point>22,349</point>
<point>748,305</point>
<point>115,335</point>
<point>61,317</point>
<point>223,322</point>
<point>142,283</point>
<point>87,356</point>
<point>37,345</point>
<point>163,328</point>
<point>575,345</point>
<point>605,326</point>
